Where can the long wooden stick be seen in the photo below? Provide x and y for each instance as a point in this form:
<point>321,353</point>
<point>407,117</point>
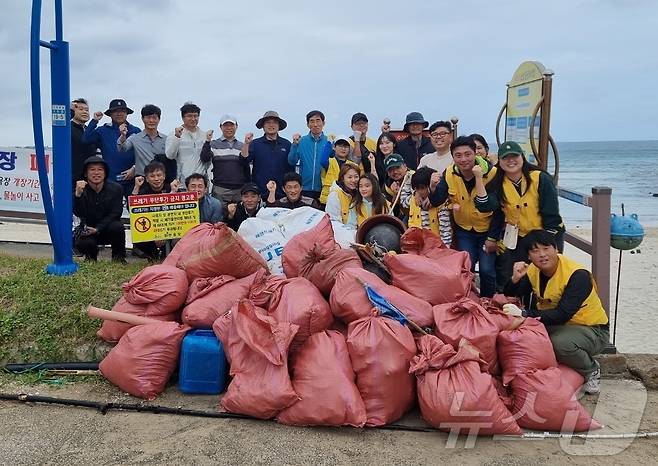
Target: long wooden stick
<point>97,312</point>
<point>397,197</point>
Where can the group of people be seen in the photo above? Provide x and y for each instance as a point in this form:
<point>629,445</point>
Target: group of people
<point>499,208</point>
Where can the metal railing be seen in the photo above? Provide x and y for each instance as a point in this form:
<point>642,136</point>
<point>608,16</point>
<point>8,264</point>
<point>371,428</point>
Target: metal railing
<point>599,248</point>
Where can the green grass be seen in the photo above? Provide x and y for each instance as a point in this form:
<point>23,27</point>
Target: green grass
<point>42,317</point>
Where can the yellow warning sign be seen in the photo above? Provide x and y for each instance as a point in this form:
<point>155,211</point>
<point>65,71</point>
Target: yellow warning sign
<point>165,216</point>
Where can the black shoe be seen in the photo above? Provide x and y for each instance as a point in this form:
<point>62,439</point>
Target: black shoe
<point>139,253</point>
<point>120,260</point>
<point>89,258</point>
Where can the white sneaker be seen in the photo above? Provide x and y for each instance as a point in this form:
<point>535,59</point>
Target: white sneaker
<point>592,384</point>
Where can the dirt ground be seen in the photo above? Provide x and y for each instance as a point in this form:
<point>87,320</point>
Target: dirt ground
<point>36,433</point>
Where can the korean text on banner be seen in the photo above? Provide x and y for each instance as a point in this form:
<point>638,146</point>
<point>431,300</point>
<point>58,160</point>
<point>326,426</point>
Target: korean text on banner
<point>20,190</point>
<point>155,217</point>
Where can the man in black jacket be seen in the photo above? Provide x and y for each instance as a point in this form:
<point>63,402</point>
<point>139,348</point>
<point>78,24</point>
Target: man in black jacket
<point>415,146</point>
<point>248,207</point>
<point>99,204</point>
<point>79,150</point>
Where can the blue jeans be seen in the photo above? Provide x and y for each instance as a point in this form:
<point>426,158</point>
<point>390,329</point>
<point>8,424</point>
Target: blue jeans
<point>473,244</point>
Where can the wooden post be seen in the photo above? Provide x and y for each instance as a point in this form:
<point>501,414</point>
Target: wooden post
<point>545,119</point>
<point>601,197</point>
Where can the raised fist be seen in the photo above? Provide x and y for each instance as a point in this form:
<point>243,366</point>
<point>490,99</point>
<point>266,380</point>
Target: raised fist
<point>434,180</point>
<point>371,158</point>
<point>175,186</point>
<point>139,181</point>
<point>248,138</point>
<point>209,135</point>
<point>395,187</point>
<point>123,129</point>
<point>386,126</point>
<point>178,131</point>
<point>271,186</point>
<point>519,270</point>
<point>357,136</point>
<point>98,116</point>
<point>231,210</point>
<point>477,171</point>
<point>79,187</point>
<point>295,138</point>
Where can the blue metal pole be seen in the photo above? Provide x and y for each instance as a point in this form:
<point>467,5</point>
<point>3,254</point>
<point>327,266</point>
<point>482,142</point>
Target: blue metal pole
<point>36,114</point>
<point>59,214</point>
<point>62,191</point>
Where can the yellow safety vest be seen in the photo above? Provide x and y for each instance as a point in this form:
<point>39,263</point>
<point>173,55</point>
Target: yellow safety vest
<point>415,219</point>
<point>330,175</point>
<point>345,203</point>
<point>591,312</point>
<point>362,215</point>
<point>467,217</point>
<point>523,211</point>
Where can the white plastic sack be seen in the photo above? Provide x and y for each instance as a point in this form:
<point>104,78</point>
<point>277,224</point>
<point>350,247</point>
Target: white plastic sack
<point>343,234</point>
<point>273,214</point>
<point>266,238</point>
<point>299,220</point>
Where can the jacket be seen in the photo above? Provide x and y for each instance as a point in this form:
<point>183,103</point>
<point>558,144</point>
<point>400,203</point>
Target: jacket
<point>106,137</point>
<point>99,209</point>
<point>270,162</point>
<point>229,169</point>
<point>412,154</point>
<point>309,152</point>
<point>79,150</point>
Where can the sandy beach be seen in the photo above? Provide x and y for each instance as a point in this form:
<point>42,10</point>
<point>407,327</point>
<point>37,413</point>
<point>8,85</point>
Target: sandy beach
<point>637,320</point>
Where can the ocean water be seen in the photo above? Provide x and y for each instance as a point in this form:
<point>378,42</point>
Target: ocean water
<point>630,168</point>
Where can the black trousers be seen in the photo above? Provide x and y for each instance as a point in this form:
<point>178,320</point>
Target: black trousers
<point>113,234</point>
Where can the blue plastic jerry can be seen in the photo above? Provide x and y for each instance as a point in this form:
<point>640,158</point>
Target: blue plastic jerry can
<point>203,366</point>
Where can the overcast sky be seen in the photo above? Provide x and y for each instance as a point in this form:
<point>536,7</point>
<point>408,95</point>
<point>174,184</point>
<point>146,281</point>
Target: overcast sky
<point>383,58</point>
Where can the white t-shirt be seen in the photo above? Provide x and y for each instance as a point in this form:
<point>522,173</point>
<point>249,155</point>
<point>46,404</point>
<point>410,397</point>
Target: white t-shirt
<point>436,161</point>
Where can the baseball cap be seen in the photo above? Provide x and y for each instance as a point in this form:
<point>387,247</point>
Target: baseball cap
<point>344,139</point>
<point>393,161</point>
<point>359,117</point>
<point>228,119</point>
<point>509,148</point>
<point>250,188</point>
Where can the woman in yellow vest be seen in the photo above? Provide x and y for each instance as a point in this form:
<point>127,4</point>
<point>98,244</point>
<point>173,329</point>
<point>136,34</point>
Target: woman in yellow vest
<point>565,300</point>
<point>528,198</point>
<point>339,201</point>
<point>369,199</point>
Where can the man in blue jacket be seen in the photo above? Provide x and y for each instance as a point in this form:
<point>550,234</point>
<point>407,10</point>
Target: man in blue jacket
<point>308,151</point>
<point>121,164</point>
<point>268,154</point>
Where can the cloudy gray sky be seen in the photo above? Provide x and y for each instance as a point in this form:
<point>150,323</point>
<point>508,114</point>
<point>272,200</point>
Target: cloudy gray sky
<point>383,58</point>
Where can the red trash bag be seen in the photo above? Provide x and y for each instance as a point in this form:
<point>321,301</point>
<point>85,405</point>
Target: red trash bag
<point>210,298</point>
<point>525,349</point>
<point>381,350</point>
<point>112,331</point>
<point>192,236</point>
<point>450,277</point>
<point>422,242</point>
<point>162,286</point>
<point>266,289</point>
<point>144,359</point>
<point>322,273</point>
<point>454,394</point>
<point>571,377</point>
<point>320,239</point>
<point>494,306</point>
<point>544,401</point>
<point>302,304</point>
<point>222,328</point>
<point>467,319</point>
<point>257,346</point>
<point>349,301</point>
<point>324,380</point>
<point>220,252</point>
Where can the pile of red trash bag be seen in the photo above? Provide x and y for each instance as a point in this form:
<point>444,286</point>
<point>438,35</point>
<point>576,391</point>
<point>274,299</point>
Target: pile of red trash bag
<point>309,348</point>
